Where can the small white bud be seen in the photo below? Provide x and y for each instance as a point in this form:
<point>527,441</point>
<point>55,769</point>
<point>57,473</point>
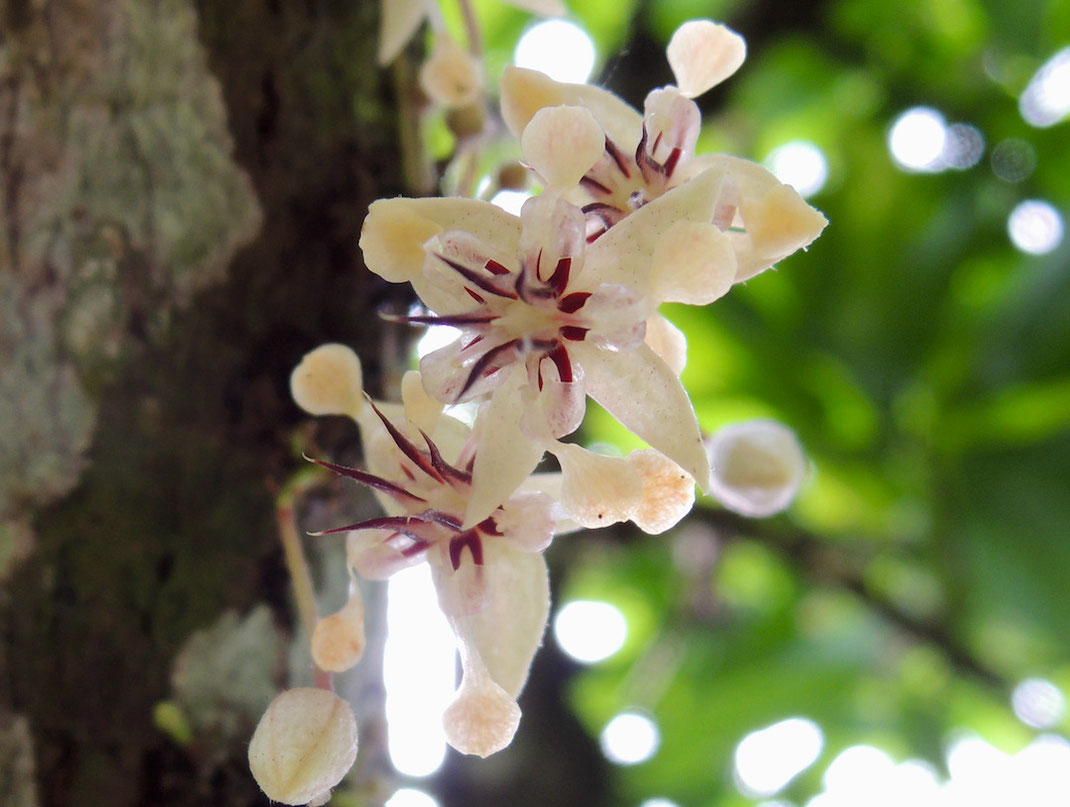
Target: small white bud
<point>328,381</point>
<point>303,746</point>
<point>757,467</point>
<point>451,76</point>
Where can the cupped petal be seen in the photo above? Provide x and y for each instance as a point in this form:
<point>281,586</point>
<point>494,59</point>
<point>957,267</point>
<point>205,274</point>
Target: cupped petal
<point>398,21</point>
<point>395,231</point>
<point>624,253</point>
<point>693,263</point>
<point>466,370</point>
<point>508,631</point>
<point>370,555</point>
<point>482,719</point>
<point>338,641</point>
<point>506,455</point>
<point>668,491</point>
<point>702,54</point>
<point>559,404</point>
<point>328,381</point>
<point>644,394</point>
<point>667,341</point>
<point>597,490</point>
<point>451,76</point>
<point>757,467</point>
<point>672,122</point>
<point>524,92</point>
<point>562,143</point>
<point>527,520</point>
<point>462,590</point>
<point>553,229</point>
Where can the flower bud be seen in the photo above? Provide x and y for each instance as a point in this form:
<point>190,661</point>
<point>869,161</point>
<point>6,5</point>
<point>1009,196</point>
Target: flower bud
<point>328,381</point>
<point>757,467</point>
<point>338,640</point>
<point>451,76</point>
<point>303,746</point>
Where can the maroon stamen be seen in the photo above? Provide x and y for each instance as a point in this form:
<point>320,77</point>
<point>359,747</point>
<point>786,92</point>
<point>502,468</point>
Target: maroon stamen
<point>574,333</point>
<point>370,480</point>
<point>481,282</point>
<point>475,296</point>
<point>594,185</point>
<point>489,526</point>
<point>670,163</point>
<point>414,527</point>
<point>441,465</point>
<point>456,320</point>
<point>559,279</point>
<point>496,268</point>
<point>416,548</point>
<point>618,157</point>
<point>483,366</point>
<point>466,539</point>
<point>407,447</point>
<point>571,303</point>
<point>559,356</point>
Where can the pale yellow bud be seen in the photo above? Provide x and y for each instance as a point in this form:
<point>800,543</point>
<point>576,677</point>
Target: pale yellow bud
<point>303,746</point>
<point>757,467</point>
<point>328,381</point>
<point>338,640</point>
<point>451,76</point>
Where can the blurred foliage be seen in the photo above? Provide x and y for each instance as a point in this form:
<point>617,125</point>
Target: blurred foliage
<point>924,362</point>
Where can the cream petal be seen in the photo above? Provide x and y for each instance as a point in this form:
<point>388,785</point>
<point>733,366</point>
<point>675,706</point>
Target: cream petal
<point>372,558</point>
<point>524,92</point>
<point>550,484</point>
<point>702,54</point>
<point>597,490</point>
<point>527,520</point>
<point>778,224</point>
<point>624,253</point>
<point>673,119</point>
<point>462,591</point>
<point>617,316</point>
<point>552,229</point>
<point>667,341</point>
<point>562,143</point>
<point>560,404</point>
<point>328,381</point>
<point>694,263</point>
<point>757,467</point>
<point>338,641</point>
<point>640,391</point>
<point>398,21</point>
<point>445,371</point>
<point>505,455</point>
<point>508,631</point>
<point>482,719</point>
<point>395,231</point>
<point>421,409</point>
<point>668,491</point>
<point>451,76</point>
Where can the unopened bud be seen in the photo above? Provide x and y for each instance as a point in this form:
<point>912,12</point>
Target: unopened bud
<point>451,76</point>
<point>513,176</point>
<point>757,467</point>
<point>303,746</point>
<point>328,381</point>
<point>338,640</point>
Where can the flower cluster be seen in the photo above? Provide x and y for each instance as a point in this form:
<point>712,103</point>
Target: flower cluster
<point>552,306</point>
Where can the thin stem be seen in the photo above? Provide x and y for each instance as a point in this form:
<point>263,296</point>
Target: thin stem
<point>471,27</point>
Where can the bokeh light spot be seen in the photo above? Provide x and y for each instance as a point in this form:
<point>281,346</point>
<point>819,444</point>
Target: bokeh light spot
<point>510,201</point>
<point>800,164</point>
<point>630,738</point>
<point>410,797</point>
<point>767,759</point>
<point>916,139</point>
<point>1035,227</point>
<point>1046,99</point>
<point>1014,159</point>
<point>964,146</point>
<point>590,631</point>
<point>560,49</point>
<point>1038,703</point>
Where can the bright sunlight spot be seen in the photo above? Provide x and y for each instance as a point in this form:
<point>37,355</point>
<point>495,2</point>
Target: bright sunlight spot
<point>590,631</point>
<point>1046,99</point>
<point>1038,703</point>
<point>659,803</point>
<point>630,738</point>
<point>1035,227</point>
<point>434,337</point>
<point>510,201</point>
<point>409,797</point>
<point>419,673</point>
<point>916,139</point>
<point>800,164</point>
<point>560,49</point>
<point>769,758</point>
<point>963,146</point>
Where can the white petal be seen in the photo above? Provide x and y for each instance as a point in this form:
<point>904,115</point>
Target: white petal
<point>451,76</point>
<point>338,641</point>
<point>303,746</point>
<point>507,632</point>
<point>328,382</point>
<point>673,119</point>
<point>702,54</point>
<point>596,490</point>
<point>560,404</point>
<point>505,455</point>
<point>398,21</point>
<point>462,591</point>
<point>553,229</point>
<point>757,467</point>
<point>668,491</point>
<point>372,558</point>
<point>667,341</point>
<point>395,231</point>
<point>562,143</point>
<point>624,254</point>
<point>778,224</point>
<point>694,263</point>
<point>524,92</point>
<point>640,391</point>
